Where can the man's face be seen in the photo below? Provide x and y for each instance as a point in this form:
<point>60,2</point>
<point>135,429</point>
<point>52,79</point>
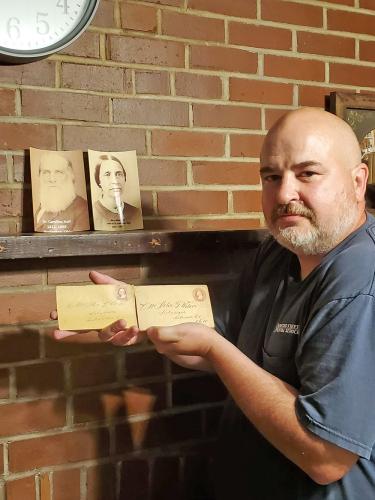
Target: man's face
<point>308,198</point>
<point>112,178</point>
<point>54,172</point>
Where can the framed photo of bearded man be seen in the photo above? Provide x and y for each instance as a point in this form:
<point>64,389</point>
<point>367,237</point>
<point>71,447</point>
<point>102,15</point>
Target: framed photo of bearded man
<point>58,191</point>
<point>115,193</point>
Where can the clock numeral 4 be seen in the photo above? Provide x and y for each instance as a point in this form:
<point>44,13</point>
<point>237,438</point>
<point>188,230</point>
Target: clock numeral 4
<point>63,4</point>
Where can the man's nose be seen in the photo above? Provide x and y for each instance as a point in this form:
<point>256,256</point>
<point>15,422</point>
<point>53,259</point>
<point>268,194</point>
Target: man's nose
<point>288,190</point>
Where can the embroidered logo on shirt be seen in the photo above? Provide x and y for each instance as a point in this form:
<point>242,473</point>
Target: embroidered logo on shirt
<point>287,328</point>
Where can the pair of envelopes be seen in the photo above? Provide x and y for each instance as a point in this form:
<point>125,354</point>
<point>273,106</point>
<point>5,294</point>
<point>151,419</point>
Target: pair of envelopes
<point>92,307</point>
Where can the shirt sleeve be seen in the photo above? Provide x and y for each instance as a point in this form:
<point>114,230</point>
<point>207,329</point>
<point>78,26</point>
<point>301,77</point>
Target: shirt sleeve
<point>336,365</point>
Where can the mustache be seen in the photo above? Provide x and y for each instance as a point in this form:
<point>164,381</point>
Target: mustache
<point>292,209</point>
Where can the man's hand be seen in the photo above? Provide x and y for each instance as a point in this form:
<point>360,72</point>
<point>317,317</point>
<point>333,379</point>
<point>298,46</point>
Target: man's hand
<point>118,333</point>
<point>189,339</point>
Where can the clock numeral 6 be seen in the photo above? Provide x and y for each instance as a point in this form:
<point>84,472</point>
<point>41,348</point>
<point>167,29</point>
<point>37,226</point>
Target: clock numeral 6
<point>43,26</point>
<point>13,28</point>
<point>63,4</point>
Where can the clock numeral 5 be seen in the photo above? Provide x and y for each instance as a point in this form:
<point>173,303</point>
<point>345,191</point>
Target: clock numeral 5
<point>13,28</point>
<point>63,4</point>
<point>43,26</point>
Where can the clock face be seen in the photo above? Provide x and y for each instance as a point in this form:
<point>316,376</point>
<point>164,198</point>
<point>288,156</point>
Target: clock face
<point>35,28</point>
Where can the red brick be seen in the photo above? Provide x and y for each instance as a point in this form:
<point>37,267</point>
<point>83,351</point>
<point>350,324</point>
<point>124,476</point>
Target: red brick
<point>165,480</point>
<point>328,45</point>
<point>66,485</point>
<point>144,364</point>
<point>363,76</point>
<point>4,390</point>
<point>239,8</point>
<point>294,68</point>
<point>20,273</point>
<point>225,116</point>
<point>161,172</point>
<point>367,4</point>
<point>147,203</point>
<point>247,201</point>
<point>103,138</point>
<point>80,273</point>
<point>260,91</point>
<point>292,13</point>
<point>192,202</point>
<point>3,169</point>
<point>246,145</point>
<point>171,224</point>
<point>225,173</point>
<point>272,115</point>
<point>134,482</point>
<point>26,307</point>
<point>152,82</point>
<point>101,482</point>
<point>18,168</point>
<point>194,27</point>
<point>150,112</point>
<point>94,370</point>
<point>65,105</point>
<point>20,418</point>
<point>181,143</point>
<point>146,51</point>
<point>367,50</point>
<point>225,224</point>
<point>104,16</point>
<point>19,346</point>
<point>351,22</point>
<point>7,102</point>
<point>26,135</point>
<point>114,404</point>
<point>223,59</point>
<point>260,36</point>
<point>37,73</point>
<point>58,449</point>
<point>21,488</point>
<point>41,379</point>
<point>85,77</point>
<point>138,17</point>
<point>201,86</point>
<point>87,45</point>
<point>85,343</point>
<point>10,202</point>
<point>313,96</point>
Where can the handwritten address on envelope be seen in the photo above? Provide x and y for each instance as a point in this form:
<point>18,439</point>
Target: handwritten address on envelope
<point>88,307</point>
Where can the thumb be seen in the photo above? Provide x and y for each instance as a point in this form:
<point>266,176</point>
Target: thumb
<point>163,334</point>
<point>102,279</point>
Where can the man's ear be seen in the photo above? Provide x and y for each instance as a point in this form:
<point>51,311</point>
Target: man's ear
<point>360,176</point>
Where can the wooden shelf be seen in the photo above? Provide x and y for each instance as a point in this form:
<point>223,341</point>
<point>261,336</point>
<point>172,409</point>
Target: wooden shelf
<point>47,245</point>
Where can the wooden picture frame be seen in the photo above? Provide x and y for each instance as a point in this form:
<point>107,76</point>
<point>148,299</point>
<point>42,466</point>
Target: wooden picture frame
<point>358,110</point>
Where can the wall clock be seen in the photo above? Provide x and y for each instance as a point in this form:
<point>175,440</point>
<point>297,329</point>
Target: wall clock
<point>33,29</point>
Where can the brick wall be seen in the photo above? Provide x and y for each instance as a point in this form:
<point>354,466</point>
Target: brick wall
<point>193,86</point>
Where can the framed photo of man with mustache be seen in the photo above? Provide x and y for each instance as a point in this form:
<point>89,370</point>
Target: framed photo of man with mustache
<point>58,191</point>
<point>115,194</point>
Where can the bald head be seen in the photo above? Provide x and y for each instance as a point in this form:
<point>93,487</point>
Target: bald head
<point>313,128</point>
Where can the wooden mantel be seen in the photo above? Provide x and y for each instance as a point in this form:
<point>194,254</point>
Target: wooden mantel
<point>46,245</point>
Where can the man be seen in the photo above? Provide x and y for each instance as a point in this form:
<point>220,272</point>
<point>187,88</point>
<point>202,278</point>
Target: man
<point>60,209</point>
<point>300,422</point>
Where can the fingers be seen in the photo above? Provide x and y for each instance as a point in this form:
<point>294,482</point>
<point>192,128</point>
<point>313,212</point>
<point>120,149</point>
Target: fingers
<point>53,314</point>
<point>108,332</point>
<point>62,334</point>
<point>102,279</point>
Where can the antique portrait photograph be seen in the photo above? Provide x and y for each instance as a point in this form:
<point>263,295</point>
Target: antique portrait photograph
<point>58,191</point>
<point>115,194</point>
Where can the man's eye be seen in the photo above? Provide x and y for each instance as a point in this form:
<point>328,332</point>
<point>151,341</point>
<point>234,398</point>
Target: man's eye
<point>307,173</point>
<point>271,178</point>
